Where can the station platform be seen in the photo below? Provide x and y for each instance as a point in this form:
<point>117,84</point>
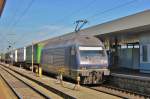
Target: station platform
<point>67,88</point>
<point>129,72</point>
<point>5,91</point>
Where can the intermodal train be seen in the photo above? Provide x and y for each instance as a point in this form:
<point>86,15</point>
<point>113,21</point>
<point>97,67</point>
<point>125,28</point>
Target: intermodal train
<point>75,55</point>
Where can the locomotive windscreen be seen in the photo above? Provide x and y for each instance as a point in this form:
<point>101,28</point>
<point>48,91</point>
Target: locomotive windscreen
<point>92,55</point>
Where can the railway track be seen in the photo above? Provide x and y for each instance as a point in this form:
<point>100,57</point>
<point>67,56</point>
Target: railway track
<point>103,88</point>
<point>6,92</point>
<point>25,88</point>
<point>126,94</point>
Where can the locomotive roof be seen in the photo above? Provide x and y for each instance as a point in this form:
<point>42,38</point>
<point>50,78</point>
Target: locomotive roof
<point>73,39</point>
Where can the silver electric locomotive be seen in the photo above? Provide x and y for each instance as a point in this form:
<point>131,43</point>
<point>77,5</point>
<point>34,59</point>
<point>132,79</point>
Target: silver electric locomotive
<point>75,56</point>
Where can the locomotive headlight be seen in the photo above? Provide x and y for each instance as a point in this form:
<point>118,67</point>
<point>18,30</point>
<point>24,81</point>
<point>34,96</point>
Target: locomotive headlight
<point>84,62</point>
<point>105,61</point>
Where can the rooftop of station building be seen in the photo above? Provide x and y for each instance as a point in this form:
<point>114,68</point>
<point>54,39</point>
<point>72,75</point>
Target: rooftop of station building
<point>128,25</point>
<point>136,22</point>
<point>123,28</point>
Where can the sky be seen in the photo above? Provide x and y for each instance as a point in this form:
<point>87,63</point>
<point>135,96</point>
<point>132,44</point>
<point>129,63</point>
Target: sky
<point>27,21</point>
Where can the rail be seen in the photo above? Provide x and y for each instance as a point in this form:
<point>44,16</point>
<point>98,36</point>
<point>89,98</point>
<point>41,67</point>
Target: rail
<point>38,91</point>
<point>55,91</point>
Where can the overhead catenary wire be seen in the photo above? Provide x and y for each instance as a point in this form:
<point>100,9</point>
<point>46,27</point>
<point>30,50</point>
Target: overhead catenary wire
<point>13,24</point>
<point>74,12</point>
<point>71,14</point>
<point>105,11</point>
<point>22,15</point>
<point>111,9</point>
<point>102,12</point>
<point>14,15</point>
<point>11,18</point>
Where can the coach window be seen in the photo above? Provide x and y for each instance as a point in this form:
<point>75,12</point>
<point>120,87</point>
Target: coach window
<point>144,49</point>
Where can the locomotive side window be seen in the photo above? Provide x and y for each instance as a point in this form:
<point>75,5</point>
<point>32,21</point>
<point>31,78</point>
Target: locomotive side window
<point>51,59</point>
<point>72,51</point>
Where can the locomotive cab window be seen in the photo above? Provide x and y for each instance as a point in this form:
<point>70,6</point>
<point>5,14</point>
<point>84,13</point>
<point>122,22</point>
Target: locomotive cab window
<point>92,55</point>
